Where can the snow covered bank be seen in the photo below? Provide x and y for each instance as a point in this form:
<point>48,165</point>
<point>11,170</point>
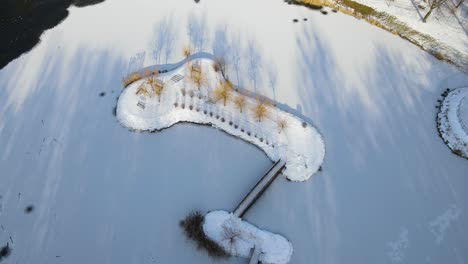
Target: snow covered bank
<point>404,18</point>
<point>279,134</point>
<point>453,121</point>
<point>238,238</point>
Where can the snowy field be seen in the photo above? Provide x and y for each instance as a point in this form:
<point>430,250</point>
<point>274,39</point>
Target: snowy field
<point>390,190</point>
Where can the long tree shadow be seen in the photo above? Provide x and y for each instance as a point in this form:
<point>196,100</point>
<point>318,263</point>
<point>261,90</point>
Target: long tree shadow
<point>380,135</point>
<point>165,38</point>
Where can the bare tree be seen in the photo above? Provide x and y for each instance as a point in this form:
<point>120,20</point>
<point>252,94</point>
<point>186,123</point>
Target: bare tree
<point>240,102</point>
<point>459,3</point>
<point>261,111</point>
<point>282,125</point>
<point>223,92</point>
<point>198,77</point>
<point>187,51</point>
<point>433,5</point>
<point>220,64</point>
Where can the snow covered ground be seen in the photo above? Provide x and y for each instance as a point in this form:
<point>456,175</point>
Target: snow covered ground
<point>453,121</point>
<point>295,141</point>
<point>447,24</point>
<point>239,238</point>
<point>390,190</point>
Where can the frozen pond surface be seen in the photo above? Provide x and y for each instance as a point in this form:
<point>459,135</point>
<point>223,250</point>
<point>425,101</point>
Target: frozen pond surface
<point>390,190</point>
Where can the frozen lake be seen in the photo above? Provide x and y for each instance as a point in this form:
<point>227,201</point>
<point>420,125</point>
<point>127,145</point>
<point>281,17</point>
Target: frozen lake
<point>390,190</point>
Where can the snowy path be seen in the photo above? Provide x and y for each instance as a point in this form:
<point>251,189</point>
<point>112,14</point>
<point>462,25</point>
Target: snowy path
<point>296,142</point>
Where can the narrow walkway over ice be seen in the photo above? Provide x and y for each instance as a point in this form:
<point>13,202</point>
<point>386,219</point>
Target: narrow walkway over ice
<point>279,134</point>
<point>259,188</point>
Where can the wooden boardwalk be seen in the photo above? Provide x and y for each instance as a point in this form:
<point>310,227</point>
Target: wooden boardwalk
<point>259,188</point>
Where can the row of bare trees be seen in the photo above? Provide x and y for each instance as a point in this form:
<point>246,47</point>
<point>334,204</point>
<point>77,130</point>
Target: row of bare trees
<point>152,86</point>
<point>435,4</point>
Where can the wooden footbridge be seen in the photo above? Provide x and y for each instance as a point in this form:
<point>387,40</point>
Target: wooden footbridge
<point>259,188</point>
<point>254,194</point>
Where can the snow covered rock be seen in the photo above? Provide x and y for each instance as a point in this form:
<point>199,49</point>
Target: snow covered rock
<point>453,121</point>
<point>279,134</point>
<point>238,238</point>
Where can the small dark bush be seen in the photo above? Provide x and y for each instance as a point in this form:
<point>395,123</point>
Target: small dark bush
<point>102,94</point>
<point>216,67</point>
<point>176,104</point>
<point>29,209</point>
<point>230,123</point>
<point>295,20</point>
<point>222,119</point>
<point>334,10</point>
<point>305,19</point>
<point>190,107</point>
<point>457,152</point>
<point>261,139</point>
<point>324,12</point>
<point>236,126</point>
<point>304,124</point>
<point>197,1</point>
<point>5,251</point>
<point>193,229</point>
<point>183,106</point>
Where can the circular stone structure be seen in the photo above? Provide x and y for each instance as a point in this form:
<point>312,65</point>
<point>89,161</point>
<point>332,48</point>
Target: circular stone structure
<point>463,113</point>
<point>452,121</point>
<point>184,98</point>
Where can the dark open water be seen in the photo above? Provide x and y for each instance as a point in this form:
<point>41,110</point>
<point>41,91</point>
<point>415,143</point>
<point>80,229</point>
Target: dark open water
<point>22,23</point>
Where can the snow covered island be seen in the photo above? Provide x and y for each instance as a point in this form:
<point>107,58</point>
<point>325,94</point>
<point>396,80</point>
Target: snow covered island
<point>195,91</point>
<point>453,121</point>
<point>238,238</point>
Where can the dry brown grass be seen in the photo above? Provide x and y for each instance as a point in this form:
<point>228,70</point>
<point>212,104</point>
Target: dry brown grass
<point>312,2</point>
<point>131,79</point>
